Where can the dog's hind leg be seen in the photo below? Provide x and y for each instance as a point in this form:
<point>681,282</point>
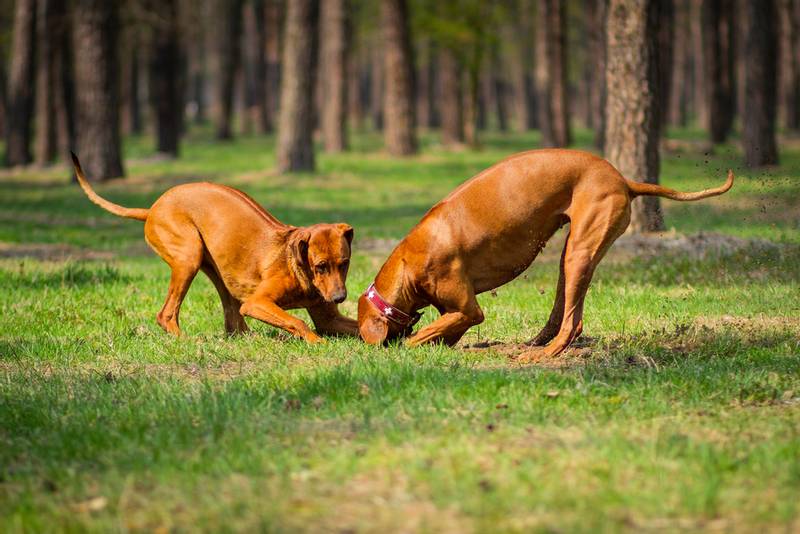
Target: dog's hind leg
<point>234,321</point>
<point>182,249</point>
<point>590,237</point>
<point>553,325</point>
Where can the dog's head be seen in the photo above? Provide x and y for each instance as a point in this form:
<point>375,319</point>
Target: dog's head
<point>323,252</point>
<point>375,328</point>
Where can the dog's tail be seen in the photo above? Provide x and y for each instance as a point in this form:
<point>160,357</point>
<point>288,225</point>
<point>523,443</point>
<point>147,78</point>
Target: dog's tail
<point>139,214</point>
<point>643,189</point>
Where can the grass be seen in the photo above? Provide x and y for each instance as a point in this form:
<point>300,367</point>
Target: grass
<point>682,413</point>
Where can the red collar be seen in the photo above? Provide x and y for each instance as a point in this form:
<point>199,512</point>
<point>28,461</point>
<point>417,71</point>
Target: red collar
<point>390,312</point>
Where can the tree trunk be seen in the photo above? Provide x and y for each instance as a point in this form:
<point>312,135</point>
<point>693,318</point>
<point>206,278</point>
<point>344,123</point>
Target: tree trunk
<point>376,91</point>
<point>718,63</point>
<point>426,78</point>
<point>450,99</point>
<point>551,69</point>
<point>699,99</point>
<point>679,92</point>
<point>228,17</point>
<point>523,50</point>
<point>94,30</point>
<point>21,84</point>
<point>597,58</point>
<point>255,37</point>
<point>132,98</point>
<point>498,88</point>
<point>49,13</point>
<point>666,39</point>
<point>65,85</point>
<point>632,129</point>
<point>296,125</point>
<point>760,59</point>
<point>274,38</point>
<point>789,70</point>
<point>165,64</point>
<point>334,51</point>
<point>398,107</point>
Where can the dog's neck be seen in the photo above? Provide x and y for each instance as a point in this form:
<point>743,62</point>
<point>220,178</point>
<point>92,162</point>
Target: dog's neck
<point>395,286</point>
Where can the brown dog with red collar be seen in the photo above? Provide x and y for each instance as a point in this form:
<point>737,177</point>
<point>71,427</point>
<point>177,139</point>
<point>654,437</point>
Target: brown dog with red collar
<point>259,266</point>
<point>490,229</point>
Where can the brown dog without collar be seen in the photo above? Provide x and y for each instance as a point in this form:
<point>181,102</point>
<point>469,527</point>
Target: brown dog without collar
<point>260,266</point>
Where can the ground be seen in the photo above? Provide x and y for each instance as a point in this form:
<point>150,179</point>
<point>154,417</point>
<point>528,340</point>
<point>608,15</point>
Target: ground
<point>678,409</point>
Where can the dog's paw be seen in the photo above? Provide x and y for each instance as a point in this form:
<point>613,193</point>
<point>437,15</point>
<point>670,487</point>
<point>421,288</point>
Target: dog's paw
<point>530,357</point>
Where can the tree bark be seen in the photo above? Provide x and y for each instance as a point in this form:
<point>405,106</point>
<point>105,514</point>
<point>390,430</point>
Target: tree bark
<point>760,83</point>
<point>398,107</point>
<point>65,84</point>
<point>376,90</point>
<point>228,17</point>
<point>597,58</point>
<point>165,64</point>
<point>666,38</point>
<point>255,37</point>
<point>632,129</point>
<point>679,93</point>
<point>719,64</point>
<point>450,100</point>
<point>334,52</point>
<point>789,70</point>
<point>49,13</point>
<point>699,99</point>
<point>296,125</point>
<point>274,28</point>
<point>21,84</point>
<point>426,90</point>
<point>499,93</point>
<point>523,51</point>
<point>551,71</point>
<point>95,28</point>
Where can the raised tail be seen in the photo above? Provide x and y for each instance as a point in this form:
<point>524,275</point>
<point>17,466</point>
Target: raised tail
<point>140,214</point>
<point>644,189</point>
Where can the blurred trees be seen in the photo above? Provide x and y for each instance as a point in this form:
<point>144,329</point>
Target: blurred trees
<point>160,67</point>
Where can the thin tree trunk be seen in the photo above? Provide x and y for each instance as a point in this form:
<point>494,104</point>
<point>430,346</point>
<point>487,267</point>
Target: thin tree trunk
<point>47,20</point>
<point>398,107</point>
<point>498,88</point>
<point>425,90</point>
<point>677,114</point>
<point>21,84</point>
<point>97,98</point>
<point>165,64</point>
<point>274,38</point>
<point>355,109</point>
<point>376,91</point>
<point>255,39</point>
<point>552,73</point>
<point>666,39</point>
<point>65,84</point>
<point>450,101</point>
<point>699,99</point>
<point>760,83</point>
<point>471,106</point>
<point>597,51</point>
<point>718,62</point>
<point>632,129</point>
<point>520,65</point>
<point>296,125</point>
<point>789,70</point>
<point>334,52</point>
<point>228,51</point>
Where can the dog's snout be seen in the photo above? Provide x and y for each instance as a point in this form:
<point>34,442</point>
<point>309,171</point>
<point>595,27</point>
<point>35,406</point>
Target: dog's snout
<point>339,296</point>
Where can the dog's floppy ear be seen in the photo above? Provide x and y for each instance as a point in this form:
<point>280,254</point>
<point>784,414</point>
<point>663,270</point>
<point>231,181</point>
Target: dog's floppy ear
<point>372,328</point>
<point>347,232</point>
<point>298,244</point>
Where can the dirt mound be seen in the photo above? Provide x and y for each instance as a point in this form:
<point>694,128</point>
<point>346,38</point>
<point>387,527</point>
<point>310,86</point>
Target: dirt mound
<point>697,246</point>
<point>51,252</point>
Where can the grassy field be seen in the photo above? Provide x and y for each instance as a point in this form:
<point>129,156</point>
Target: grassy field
<point>680,409</point>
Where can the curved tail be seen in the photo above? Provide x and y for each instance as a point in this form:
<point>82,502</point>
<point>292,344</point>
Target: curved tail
<point>639,189</point>
<point>140,214</point>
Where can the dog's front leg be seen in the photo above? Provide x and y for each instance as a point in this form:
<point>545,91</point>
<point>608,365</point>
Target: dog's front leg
<point>448,328</point>
<point>266,310</point>
<point>328,320</point>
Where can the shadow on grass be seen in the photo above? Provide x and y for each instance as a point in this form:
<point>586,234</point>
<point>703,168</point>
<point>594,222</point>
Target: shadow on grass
<point>66,275</point>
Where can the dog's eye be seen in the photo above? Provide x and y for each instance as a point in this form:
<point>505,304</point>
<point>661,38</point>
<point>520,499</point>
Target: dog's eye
<point>345,264</point>
<point>321,267</point>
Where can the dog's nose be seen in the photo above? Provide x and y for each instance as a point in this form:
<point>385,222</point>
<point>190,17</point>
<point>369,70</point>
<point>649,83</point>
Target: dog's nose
<point>339,297</point>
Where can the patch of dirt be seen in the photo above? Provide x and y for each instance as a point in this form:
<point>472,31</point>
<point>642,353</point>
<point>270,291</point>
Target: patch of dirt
<point>51,252</point>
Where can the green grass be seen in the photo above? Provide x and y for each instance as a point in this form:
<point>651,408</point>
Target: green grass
<point>682,413</point>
